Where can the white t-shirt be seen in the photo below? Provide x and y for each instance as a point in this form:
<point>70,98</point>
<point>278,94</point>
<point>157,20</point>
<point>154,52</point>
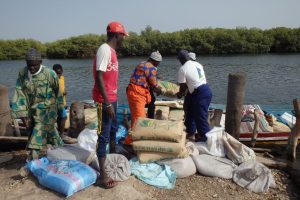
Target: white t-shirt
<point>103,57</point>
<point>192,74</point>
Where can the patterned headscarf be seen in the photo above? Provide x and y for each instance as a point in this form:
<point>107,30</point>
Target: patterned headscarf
<point>33,54</point>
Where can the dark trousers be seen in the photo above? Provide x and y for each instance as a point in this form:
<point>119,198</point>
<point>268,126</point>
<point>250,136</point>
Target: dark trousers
<point>196,110</point>
<point>151,106</point>
<point>107,129</point>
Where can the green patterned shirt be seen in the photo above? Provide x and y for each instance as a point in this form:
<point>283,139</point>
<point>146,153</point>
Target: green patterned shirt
<point>37,96</point>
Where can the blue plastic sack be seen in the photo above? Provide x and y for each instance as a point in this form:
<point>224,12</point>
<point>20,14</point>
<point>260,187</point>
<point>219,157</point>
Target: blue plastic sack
<point>120,110</point>
<point>161,176</point>
<point>63,176</point>
<point>121,133</point>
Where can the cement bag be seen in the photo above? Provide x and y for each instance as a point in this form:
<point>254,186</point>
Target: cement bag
<point>168,89</point>
<point>280,127</point>
<point>87,139</point>
<point>172,104</point>
<point>183,167</point>
<point>90,115</point>
<point>236,151</point>
<point>159,146</point>
<point>151,129</point>
<point>161,112</point>
<point>176,115</point>
<point>214,166</point>
<point>71,152</point>
<point>147,157</point>
<point>254,176</point>
<point>63,176</point>
<point>214,144</point>
<point>117,167</point>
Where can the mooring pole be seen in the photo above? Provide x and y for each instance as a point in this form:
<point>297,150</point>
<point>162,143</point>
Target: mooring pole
<point>255,128</point>
<point>5,117</point>
<point>235,98</point>
<point>295,133</point>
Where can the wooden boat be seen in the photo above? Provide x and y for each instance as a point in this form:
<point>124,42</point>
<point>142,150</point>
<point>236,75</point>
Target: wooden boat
<point>245,137</point>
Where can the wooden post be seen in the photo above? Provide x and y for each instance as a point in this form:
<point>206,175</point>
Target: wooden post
<point>256,120</point>
<point>77,119</point>
<point>295,133</point>
<point>235,98</point>
<point>5,117</point>
<point>216,119</point>
<point>17,132</point>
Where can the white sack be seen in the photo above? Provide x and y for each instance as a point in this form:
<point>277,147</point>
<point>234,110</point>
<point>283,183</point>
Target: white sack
<point>254,176</point>
<point>71,152</point>
<point>214,166</point>
<point>191,148</point>
<point>236,151</point>
<point>87,139</point>
<point>117,167</point>
<point>214,144</point>
<point>183,167</point>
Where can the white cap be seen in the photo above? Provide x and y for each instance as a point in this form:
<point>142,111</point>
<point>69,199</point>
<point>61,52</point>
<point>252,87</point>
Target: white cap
<point>192,56</point>
<point>156,56</point>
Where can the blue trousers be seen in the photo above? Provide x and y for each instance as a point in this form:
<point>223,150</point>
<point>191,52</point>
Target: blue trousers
<point>196,110</point>
<point>107,128</point>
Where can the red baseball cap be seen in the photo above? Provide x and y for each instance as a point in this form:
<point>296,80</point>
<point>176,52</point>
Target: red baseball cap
<point>116,27</point>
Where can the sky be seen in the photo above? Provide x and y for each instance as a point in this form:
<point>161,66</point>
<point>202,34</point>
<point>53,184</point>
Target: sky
<point>50,20</point>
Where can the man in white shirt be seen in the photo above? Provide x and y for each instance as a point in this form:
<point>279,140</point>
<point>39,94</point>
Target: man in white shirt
<point>191,77</point>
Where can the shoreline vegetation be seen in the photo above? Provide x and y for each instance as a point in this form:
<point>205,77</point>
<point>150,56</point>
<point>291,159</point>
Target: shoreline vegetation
<point>208,41</point>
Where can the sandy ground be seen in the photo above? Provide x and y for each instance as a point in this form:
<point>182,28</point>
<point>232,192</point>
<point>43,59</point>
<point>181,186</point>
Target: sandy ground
<point>12,186</point>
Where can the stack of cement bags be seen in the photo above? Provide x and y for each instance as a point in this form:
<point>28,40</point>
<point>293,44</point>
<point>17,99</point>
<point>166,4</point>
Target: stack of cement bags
<point>162,112</point>
<point>155,140</point>
<point>176,115</point>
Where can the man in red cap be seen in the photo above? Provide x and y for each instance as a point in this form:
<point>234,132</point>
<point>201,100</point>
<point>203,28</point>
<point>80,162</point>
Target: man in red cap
<point>105,70</point>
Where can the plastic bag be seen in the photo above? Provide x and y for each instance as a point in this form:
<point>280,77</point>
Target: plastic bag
<point>214,144</point>
<point>63,176</point>
<point>87,139</point>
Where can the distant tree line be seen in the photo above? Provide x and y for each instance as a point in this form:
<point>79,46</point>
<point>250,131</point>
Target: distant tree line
<point>201,41</point>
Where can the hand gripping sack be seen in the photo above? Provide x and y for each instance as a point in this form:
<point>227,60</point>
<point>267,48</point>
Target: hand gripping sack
<point>63,176</point>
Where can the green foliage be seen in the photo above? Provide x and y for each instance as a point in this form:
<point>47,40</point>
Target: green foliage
<point>83,46</point>
<point>16,49</point>
<point>201,41</point>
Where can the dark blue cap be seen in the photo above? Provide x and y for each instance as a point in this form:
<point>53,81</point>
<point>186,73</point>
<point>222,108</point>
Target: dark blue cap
<point>183,54</point>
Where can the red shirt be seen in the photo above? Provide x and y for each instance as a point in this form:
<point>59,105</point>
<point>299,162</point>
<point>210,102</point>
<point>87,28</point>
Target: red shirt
<point>110,73</point>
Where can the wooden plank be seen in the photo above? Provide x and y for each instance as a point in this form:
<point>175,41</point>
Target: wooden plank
<point>10,138</point>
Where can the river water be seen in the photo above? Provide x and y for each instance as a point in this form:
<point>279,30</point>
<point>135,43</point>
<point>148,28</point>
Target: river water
<point>271,79</point>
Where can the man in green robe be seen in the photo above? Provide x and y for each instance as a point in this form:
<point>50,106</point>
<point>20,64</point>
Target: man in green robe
<point>37,101</point>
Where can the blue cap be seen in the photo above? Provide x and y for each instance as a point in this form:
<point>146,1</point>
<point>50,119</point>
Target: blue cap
<point>183,54</point>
